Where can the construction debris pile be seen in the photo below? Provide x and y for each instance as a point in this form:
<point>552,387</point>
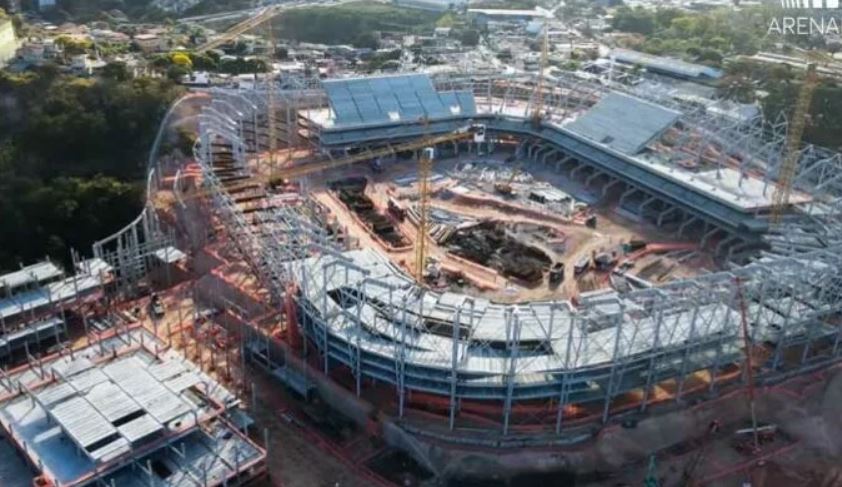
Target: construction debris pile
<point>490,244</point>
<point>351,193</point>
<point>490,172</point>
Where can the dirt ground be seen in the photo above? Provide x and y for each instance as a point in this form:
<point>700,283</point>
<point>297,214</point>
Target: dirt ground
<point>805,451</point>
<point>294,459</point>
<point>612,231</point>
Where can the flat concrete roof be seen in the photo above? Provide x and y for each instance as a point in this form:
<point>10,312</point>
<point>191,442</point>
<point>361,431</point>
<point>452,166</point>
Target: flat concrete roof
<point>100,406</point>
<point>31,274</point>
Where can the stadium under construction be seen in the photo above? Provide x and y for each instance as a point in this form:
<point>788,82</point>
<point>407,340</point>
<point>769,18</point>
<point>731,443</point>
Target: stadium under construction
<point>615,253</point>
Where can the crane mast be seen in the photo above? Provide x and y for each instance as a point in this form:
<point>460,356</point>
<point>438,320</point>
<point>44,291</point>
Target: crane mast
<point>789,167</point>
<point>271,109</point>
<point>425,168</point>
<point>538,112</point>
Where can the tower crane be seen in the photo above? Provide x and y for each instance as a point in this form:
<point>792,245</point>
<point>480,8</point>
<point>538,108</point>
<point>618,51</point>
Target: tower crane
<point>789,166</point>
<point>425,168</point>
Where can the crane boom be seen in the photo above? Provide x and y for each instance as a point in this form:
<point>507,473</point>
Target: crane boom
<point>471,132</point>
<point>475,132</point>
<point>789,167</point>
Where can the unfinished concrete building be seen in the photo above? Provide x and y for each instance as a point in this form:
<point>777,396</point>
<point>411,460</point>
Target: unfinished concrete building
<point>125,410</point>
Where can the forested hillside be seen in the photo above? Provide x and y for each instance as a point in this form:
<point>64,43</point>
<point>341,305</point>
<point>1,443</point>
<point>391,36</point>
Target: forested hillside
<point>72,155</point>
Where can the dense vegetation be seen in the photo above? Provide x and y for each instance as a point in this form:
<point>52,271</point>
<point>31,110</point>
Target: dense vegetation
<point>355,24</point>
<point>706,38</point>
<point>72,155</point>
<point>780,86</point>
<point>711,37</point>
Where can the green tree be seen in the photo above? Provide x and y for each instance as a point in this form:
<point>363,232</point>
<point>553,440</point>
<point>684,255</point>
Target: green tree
<point>116,71</point>
<point>71,171</point>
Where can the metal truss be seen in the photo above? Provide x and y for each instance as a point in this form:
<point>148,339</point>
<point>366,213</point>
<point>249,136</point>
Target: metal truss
<point>379,325</point>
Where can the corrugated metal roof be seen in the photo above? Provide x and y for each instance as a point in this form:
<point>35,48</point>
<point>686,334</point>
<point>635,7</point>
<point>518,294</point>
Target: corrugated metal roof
<point>623,123</point>
<point>665,64</point>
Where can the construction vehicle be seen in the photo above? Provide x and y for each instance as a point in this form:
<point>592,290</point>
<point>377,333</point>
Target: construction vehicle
<point>396,209</point>
<point>581,266</point>
<point>505,188</point>
<point>156,307</point>
<point>789,167</point>
<point>556,274</point>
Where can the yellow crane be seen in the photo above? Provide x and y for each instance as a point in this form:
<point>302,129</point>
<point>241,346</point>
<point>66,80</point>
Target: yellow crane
<point>476,132</point>
<point>425,168</point>
<point>789,167</point>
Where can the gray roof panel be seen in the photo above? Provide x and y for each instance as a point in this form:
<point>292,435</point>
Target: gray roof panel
<point>623,123</point>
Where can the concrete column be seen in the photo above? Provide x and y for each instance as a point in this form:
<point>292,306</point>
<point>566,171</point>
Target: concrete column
<point>707,236</point>
<point>736,248</point>
<point>669,211</point>
<point>609,393</point>
<point>548,154</point>
<point>576,170</point>
<point>630,191</point>
<point>613,182</point>
<point>559,164</point>
<point>545,150</point>
<point>684,226</point>
<point>513,333</point>
<point>724,243</point>
<point>648,201</point>
<point>593,176</point>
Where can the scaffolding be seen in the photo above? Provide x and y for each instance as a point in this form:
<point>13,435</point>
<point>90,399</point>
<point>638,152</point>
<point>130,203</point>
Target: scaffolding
<point>532,371</point>
<point>108,413</point>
